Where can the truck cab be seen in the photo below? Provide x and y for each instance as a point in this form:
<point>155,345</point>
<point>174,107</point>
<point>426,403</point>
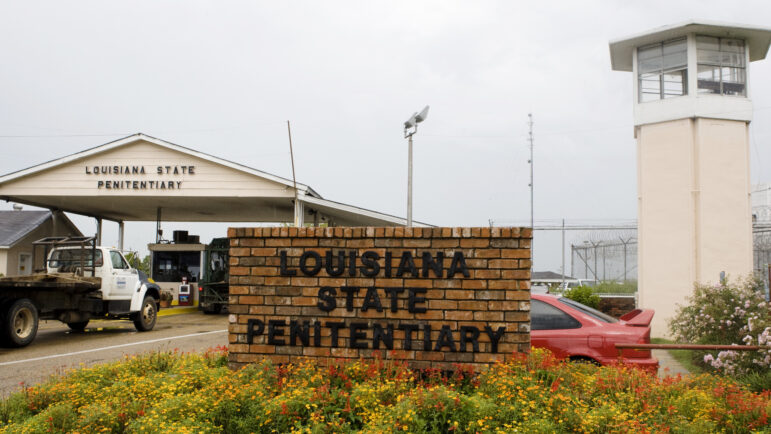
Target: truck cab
<point>118,279</point>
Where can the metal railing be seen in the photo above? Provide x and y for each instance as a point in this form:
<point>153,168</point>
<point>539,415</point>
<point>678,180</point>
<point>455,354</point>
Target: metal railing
<point>621,347</point>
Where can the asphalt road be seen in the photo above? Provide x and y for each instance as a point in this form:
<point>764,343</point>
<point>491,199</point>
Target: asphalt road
<point>57,350</point>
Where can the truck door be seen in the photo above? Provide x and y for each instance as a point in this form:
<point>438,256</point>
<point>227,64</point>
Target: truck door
<point>124,278</point>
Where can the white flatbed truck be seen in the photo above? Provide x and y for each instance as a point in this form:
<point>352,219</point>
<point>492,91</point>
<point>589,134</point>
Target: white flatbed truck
<point>81,281</point>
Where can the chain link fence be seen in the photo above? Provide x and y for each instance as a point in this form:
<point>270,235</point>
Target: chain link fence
<point>761,252</point>
<point>606,251</point>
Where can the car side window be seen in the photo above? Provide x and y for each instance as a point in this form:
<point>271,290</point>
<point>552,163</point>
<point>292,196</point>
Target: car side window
<point>544,316</point>
<point>117,260</point>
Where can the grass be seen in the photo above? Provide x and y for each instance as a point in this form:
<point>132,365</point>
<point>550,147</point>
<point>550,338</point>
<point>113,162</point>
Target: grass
<point>609,287</point>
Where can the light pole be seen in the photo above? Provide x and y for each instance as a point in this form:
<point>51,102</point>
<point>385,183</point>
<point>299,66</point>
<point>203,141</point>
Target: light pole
<point>412,122</point>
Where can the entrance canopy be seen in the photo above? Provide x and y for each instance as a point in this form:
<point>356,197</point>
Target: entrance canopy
<point>141,178</point>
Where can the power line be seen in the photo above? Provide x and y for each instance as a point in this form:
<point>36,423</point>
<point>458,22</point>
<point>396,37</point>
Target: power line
<point>161,132</point>
<point>40,136</point>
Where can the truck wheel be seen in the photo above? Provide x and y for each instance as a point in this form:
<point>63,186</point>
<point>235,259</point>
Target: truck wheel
<point>19,323</point>
<point>77,326</point>
<point>145,319</point>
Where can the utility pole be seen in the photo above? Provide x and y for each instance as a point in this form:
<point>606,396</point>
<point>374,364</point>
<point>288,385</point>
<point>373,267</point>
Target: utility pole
<point>625,242</point>
<point>532,220</point>
<point>586,262</point>
<point>563,253</point>
<point>298,210</point>
<point>603,262</point>
<point>409,179</point>
<point>412,122</point>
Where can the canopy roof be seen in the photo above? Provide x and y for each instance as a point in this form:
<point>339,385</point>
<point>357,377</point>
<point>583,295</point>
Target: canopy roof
<point>131,178</point>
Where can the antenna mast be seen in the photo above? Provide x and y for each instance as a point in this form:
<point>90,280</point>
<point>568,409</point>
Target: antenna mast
<point>532,221</point>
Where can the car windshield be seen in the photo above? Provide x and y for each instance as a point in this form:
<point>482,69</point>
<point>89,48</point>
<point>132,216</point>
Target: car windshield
<point>587,310</point>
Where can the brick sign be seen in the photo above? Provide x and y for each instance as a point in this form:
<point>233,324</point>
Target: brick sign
<point>431,296</point>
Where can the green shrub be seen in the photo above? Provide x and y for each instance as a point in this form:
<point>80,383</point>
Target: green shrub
<point>584,295</point>
<point>756,381</point>
<point>727,313</point>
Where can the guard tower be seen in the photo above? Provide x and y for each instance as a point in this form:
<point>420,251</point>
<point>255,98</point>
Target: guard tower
<point>692,111</point>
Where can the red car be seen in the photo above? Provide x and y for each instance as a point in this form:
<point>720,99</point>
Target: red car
<point>578,332</point>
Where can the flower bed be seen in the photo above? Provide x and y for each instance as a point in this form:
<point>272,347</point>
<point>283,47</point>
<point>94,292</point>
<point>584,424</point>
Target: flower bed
<point>163,392</point>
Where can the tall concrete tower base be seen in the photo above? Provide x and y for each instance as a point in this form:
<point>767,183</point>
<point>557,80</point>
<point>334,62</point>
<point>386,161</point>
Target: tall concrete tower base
<point>693,209</point>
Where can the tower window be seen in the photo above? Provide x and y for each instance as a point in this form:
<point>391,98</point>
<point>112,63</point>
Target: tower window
<point>662,70</point>
<point>721,66</point>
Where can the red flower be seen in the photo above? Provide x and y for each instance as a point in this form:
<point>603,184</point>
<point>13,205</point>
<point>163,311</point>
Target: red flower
<point>556,384</point>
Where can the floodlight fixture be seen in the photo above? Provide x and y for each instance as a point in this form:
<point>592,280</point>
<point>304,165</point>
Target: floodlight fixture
<point>414,120</point>
<point>420,117</point>
<point>411,122</point>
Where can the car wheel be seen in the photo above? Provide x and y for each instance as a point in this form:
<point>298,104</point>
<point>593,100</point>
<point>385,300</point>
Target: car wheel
<point>147,315</point>
<point>19,323</point>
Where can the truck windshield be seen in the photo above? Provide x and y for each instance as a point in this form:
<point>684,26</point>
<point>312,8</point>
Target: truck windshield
<point>65,259</point>
<point>217,267</point>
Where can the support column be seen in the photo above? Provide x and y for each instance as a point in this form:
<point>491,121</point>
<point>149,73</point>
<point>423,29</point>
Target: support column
<point>158,226</point>
<point>54,222</point>
<point>299,214</point>
<point>120,234</point>
<point>98,231</point>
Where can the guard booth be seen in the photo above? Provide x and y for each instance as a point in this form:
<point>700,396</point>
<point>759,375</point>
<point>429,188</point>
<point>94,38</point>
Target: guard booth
<point>175,266</point>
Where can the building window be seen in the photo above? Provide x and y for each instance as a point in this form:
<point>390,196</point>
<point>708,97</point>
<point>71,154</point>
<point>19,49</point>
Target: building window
<point>721,66</point>
<point>662,70</point>
<point>173,266</point>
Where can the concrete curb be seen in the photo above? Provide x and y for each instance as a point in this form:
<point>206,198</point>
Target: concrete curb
<point>177,310</point>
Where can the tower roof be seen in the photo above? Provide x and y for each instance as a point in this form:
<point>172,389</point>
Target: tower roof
<point>757,39</point>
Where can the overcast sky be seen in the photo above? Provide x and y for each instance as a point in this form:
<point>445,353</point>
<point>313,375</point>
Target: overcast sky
<point>224,77</point>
